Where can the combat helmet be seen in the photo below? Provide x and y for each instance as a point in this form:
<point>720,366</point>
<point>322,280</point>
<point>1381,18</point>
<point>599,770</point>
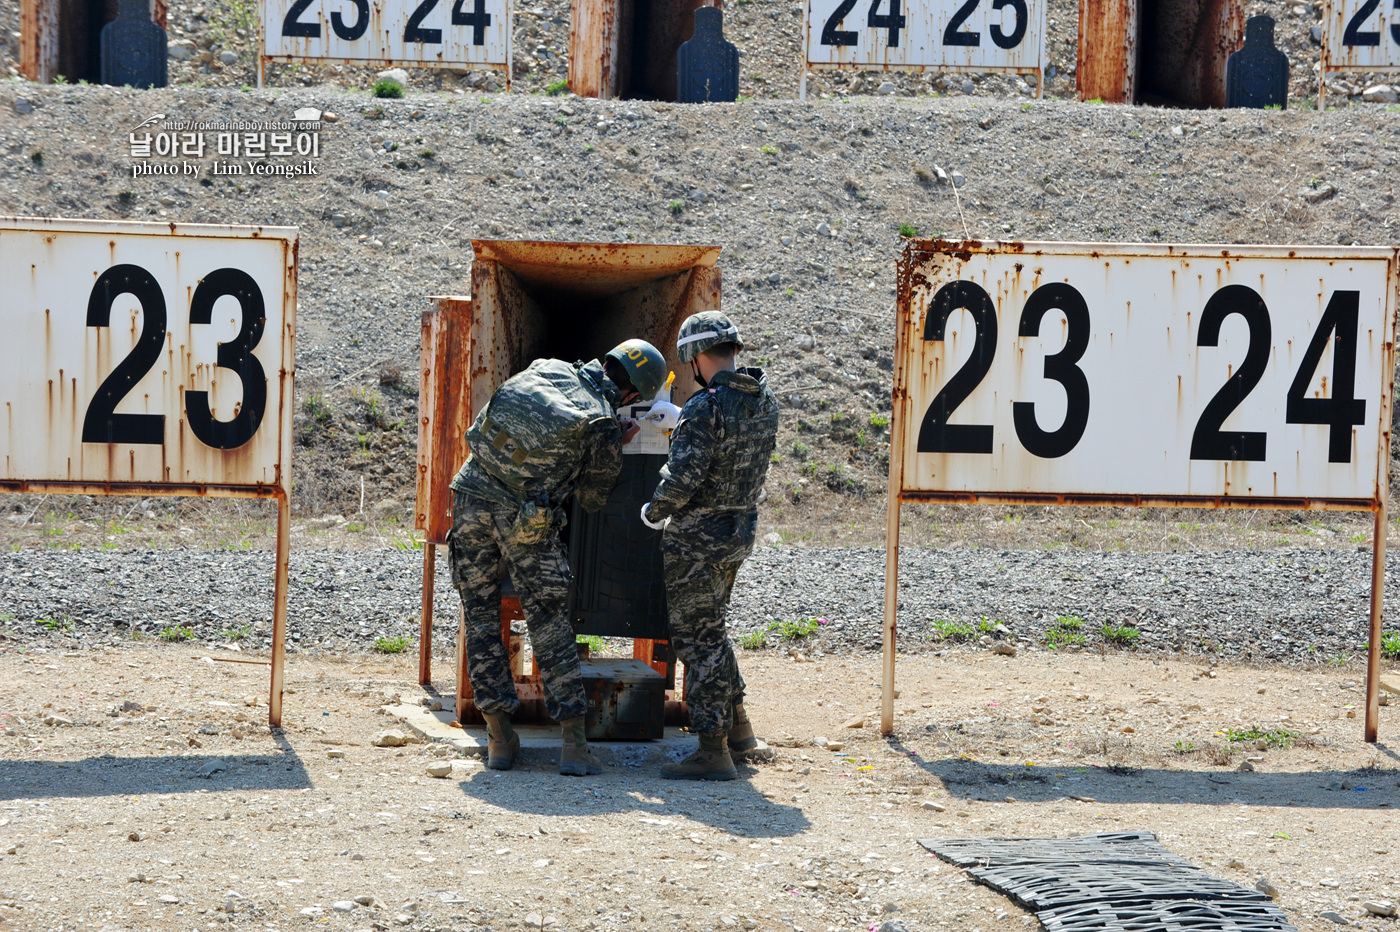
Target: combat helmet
<point>644,364</point>
<point>703,331</point>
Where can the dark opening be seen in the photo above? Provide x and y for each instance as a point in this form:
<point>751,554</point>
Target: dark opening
<point>80,38</point>
<point>1182,49</point>
<point>650,34</point>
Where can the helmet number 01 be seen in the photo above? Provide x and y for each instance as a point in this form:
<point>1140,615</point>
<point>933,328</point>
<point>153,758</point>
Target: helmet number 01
<point>637,356</point>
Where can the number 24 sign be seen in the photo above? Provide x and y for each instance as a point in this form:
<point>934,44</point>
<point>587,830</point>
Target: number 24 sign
<point>1169,373</point>
<point>947,35</point>
<point>408,32</point>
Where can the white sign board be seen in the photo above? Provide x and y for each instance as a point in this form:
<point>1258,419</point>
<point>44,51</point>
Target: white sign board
<point>144,355</point>
<point>926,35</point>
<point>1361,35</point>
<point>427,33</point>
<point>1145,373</point>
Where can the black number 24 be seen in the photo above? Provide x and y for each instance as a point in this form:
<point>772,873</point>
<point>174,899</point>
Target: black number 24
<point>102,423</point>
<point>414,30</point>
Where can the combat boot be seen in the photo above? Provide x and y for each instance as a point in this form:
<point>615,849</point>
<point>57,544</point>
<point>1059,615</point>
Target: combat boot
<point>502,743</point>
<point>742,740</point>
<point>575,760</point>
<point>711,761</point>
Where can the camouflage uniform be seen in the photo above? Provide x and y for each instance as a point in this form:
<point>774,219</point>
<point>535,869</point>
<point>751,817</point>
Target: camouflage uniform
<point>720,453</point>
<point>497,530</point>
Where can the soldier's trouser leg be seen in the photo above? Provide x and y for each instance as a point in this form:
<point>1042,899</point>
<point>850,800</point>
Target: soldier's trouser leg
<point>541,576</point>
<point>696,594</point>
<point>476,572</point>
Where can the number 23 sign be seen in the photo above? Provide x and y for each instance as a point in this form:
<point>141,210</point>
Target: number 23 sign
<point>1150,374</point>
<point>437,33</point>
<point>143,355</point>
<point>926,35</point>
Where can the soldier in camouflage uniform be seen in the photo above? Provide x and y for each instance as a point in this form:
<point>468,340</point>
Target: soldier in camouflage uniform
<point>547,433</point>
<point>708,503</point>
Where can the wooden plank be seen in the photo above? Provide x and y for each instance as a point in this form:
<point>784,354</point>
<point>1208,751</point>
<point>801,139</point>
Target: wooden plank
<point>39,35</point>
<point>593,48</point>
<point>427,370</point>
<point>450,411</point>
<point>1108,49</point>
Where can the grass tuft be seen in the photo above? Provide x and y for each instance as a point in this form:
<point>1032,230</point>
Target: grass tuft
<point>393,645</point>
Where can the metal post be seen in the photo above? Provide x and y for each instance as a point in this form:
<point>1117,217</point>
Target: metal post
<point>891,611</point>
<point>802,88</point>
<point>279,610</point>
<point>425,626</point>
<point>1373,653</point>
<point>262,63</point>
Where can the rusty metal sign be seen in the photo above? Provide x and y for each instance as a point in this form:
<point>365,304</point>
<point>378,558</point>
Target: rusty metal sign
<point>146,354</point>
<point>386,33</point>
<point>926,35</point>
<point>1128,374</point>
<point>151,358</point>
<point>1360,35</point>
<point>1144,374</point>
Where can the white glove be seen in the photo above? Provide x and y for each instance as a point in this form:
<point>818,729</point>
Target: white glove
<point>663,416</point>
<point>654,525</point>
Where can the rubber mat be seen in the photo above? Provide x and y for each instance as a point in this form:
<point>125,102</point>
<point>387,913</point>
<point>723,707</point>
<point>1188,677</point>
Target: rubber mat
<point>1115,882</point>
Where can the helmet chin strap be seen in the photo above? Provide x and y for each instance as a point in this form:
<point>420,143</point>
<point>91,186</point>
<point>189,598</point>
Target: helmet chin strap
<point>695,371</point>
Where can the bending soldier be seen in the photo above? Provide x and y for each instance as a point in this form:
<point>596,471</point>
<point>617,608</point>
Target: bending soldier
<point>708,504</point>
<point>547,432</point>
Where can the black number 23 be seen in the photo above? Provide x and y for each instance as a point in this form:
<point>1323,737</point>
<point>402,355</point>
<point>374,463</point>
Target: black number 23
<point>936,435</point>
<point>102,423</point>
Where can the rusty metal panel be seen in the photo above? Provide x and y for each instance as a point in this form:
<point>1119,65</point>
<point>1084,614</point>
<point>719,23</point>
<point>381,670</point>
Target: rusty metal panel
<point>147,355</point>
<point>444,412</point>
<point>593,48</point>
<point>1106,67</point>
<point>1143,374</point>
<point>626,700</point>
<point>459,34</point>
<point>1360,35</point>
<point>38,50</point>
<point>926,35</point>
<point>593,268</point>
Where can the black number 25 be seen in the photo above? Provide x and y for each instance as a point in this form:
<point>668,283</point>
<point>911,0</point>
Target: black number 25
<point>102,424</point>
<point>936,435</point>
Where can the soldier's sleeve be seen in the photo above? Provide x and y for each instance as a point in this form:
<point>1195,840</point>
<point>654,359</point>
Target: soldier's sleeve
<point>692,445</point>
<point>602,463</point>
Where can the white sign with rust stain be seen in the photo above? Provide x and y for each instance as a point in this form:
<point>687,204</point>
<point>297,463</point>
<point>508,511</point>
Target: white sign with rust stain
<point>1361,35</point>
<point>1178,372</point>
<point>437,33</point>
<point>936,35</point>
<point>146,353</point>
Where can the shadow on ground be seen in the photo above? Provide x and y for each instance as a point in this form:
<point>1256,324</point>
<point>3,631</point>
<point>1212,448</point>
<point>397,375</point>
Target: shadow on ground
<point>1362,788</point>
<point>135,776</point>
<point>735,806</point>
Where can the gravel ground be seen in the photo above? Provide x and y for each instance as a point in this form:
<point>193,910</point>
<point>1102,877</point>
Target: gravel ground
<point>139,790</point>
<point>1289,606</point>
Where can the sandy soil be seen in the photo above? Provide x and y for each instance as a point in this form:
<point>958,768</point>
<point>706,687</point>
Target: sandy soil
<point>107,823</point>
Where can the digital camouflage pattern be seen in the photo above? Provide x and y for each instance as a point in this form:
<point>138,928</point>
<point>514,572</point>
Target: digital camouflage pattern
<point>720,452</point>
<point>512,526</point>
<point>488,537</point>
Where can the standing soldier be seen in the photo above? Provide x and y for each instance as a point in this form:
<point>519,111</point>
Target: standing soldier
<point>547,433</point>
<point>709,489</point>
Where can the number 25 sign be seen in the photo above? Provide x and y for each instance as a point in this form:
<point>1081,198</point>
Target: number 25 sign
<point>1144,374</point>
<point>926,35</point>
<point>146,356</point>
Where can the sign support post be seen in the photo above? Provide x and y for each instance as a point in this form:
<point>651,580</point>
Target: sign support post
<point>279,610</point>
<point>425,624</point>
<point>1373,646</point>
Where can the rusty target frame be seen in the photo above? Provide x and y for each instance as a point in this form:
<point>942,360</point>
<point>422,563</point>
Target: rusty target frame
<point>1334,24</point>
<point>916,251</point>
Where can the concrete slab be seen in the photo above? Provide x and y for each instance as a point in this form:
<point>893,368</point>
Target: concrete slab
<point>540,743</point>
<point>1390,682</point>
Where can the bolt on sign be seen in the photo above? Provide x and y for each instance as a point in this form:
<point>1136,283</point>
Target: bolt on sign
<point>1196,376</point>
<point>1360,35</point>
<point>925,35</point>
<point>387,33</point>
<point>150,358</point>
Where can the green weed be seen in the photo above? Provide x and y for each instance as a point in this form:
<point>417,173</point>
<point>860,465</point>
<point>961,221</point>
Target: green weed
<point>1065,632</point>
<point>556,88</point>
<point>393,645</point>
<point>177,633</point>
<point>954,630</point>
<point>1390,645</point>
<point>1122,635</point>
<point>879,421</point>
<point>676,207</point>
<point>595,643</point>
<point>1183,747</point>
<point>236,634</point>
<point>407,542</point>
<point>754,640</point>
<point>1274,738</point>
<point>908,230</point>
<point>768,150</point>
<point>53,624</point>
<point>385,88</point>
